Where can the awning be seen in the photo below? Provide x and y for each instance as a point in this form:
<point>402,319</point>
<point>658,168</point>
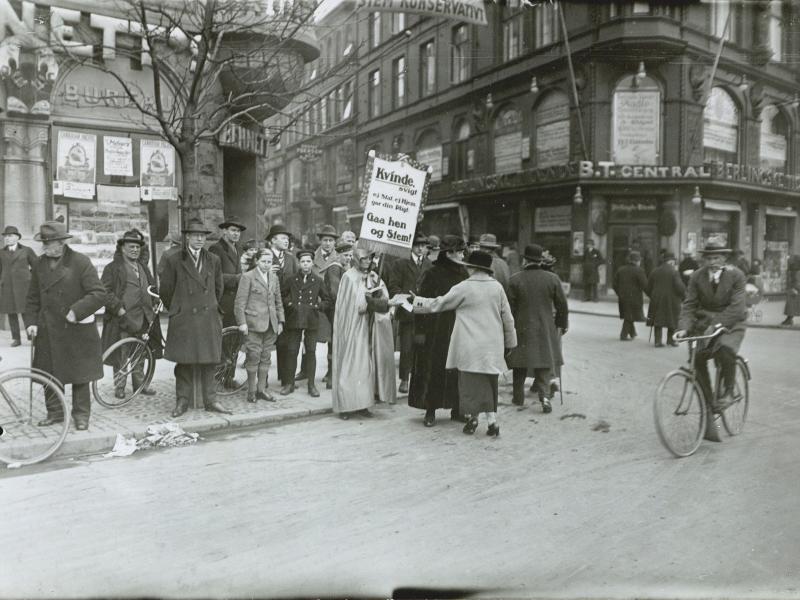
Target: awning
<point>782,212</point>
<point>726,205</point>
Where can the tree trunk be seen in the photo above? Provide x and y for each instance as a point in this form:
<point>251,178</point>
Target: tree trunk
<point>191,197</point>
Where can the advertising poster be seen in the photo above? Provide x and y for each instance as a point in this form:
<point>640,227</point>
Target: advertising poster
<point>577,243</point>
<point>393,196</point>
<point>118,156</point>
<point>157,170</point>
<point>431,157</point>
<point>637,124</point>
<point>75,164</point>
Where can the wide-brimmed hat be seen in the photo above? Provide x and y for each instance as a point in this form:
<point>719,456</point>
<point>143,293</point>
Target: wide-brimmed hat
<point>195,225</point>
<point>232,221</point>
<point>328,231</point>
<point>479,260</point>
<point>714,248</point>
<point>11,230</point>
<point>50,231</point>
<point>434,243</point>
<point>276,230</point>
<point>534,253</point>
<point>132,236</point>
<point>343,247</point>
<point>419,238</point>
<point>452,243</point>
<point>488,240</point>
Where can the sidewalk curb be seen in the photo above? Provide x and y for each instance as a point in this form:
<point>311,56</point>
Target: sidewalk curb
<point>749,325</point>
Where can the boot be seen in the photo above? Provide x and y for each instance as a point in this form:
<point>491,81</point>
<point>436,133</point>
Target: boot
<point>313,391</point>
<point>788,322</point>
<point>251,386</point>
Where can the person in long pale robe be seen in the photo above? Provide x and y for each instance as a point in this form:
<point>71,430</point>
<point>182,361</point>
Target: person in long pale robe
<point>363,346</point>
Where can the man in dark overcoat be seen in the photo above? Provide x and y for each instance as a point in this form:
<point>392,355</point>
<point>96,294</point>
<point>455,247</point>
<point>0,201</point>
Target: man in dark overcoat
<point>63,297</point>
<point>687,266</point>
<point>592,259</point>
<point>191,288</point>
<point>324,255</point>
<point>432,385</point>
<point>129,307</point>
<point>228,251</point>
<point>16,263</point>
<point>541,317</point>
<point>665,288</point>
<point>284,265</point>
<point>403,277</point>
<point>630,283</point>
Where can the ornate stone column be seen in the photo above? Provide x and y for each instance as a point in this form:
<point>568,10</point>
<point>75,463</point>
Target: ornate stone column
<point>26,196</point>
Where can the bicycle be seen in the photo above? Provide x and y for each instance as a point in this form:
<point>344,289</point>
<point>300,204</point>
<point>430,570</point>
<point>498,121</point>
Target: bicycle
<point>681,409</point>
<point>133,356</point>
<point>23,392</point>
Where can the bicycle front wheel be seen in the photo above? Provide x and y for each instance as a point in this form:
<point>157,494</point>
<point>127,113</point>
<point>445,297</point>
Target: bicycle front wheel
<point>230,376</point>
<point>129,358</point>
<point>734,416</point>
<point>22,407</point>
<point>679,413</point>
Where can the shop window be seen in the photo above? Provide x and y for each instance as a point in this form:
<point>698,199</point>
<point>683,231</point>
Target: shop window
<point>427,69</point>
<point>429,152</point>
<point>399,82</point>
<point>513,33</point>
<point>778,240</point>
<point>551,130</point>
<point>774,136</point>
<point>508,140</point>
<point>459,154</point>
<point>546,29</point>
<point>636,121</point>
<point>459,54</point>
<point>720,128</point>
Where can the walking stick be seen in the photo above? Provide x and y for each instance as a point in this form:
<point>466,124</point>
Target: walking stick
<point>30,380</point>
<point>560,388</point>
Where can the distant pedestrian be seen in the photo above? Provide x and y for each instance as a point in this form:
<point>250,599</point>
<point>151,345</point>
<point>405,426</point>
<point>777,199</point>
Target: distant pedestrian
<point>434,247</point>
<point>630,282</point>
<point>687,266</point>
<point>433,385</point>
<point>500,270</point>
<point>348,237</point>
<point>63,296</point>
<point>666,291</point>
<point>592,259</point>
<point>738,260</point>
<point>16,263</point>
<point>191,288</point>
<point>541,317</point>
<point>792,307</point>
<point>259,313</point>
<point>129,308</point>
<point>483,332</point>
<point>247,261</point>
<point>229,253</point>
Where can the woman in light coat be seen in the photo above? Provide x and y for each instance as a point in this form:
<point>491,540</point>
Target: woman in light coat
<point>483,332</point>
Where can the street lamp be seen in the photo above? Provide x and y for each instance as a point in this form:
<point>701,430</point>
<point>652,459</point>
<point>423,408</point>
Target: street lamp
<point>577,198</point>
<point>697,199</point>
<point>489,103</point>
<point>534,85</point>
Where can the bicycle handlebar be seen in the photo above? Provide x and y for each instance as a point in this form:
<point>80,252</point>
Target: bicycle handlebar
<point>160,306</point>
<point>715,333</point>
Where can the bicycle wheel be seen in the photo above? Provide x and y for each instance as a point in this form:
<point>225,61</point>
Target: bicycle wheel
<point>679,413</point>
<point>129,358</point>
<point>230,376</point>
<point>22,406</point>
<point>734,416</point>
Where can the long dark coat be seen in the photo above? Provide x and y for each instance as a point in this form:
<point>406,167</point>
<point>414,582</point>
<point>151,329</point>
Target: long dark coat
<point>404,277</point>
<point>792,306</point>
<point>192,299</point>
<point>114,279</point>
<point>666,290</point>
<point>69,351</point>
<point>15,277</point>
<point>231,272</point>
<point>705,307</point>
<point>302,302</point>
<point>630,282</point>
<point>432,385</point>
<point>535,295</point>
<point>592,259</point>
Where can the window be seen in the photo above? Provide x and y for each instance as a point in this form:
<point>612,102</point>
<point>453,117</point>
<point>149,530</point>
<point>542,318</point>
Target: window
<point>720,128</point>
<point>614,10</point>
<point>775,31</point>
<point>774,136</point>
<point>323,113</point>
<point>508,141</point>
<point>427,69</point>
<point>399,82</point>
<point>551,131</point>
<point>641,7</point>
<point>333,114</point>
<point>546,25</point>
<point>720,11</point>
<point>513,33</point>
<point>374,29</point>
<point>347,99</point>
<point>459,156</point>
<point>398,22</point>
<point>429,152</point>
<point>348,40</point>
<point>374,96</point>
<point>459,57</point>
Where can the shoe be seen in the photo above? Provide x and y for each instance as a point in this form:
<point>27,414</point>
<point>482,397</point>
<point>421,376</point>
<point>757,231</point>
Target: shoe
<point>119,394</point>
<point>659,344</point>
<point>471,426</point>
<point>286,390</point>
<point>788,322</point>
<point>493,430</point>
<point>265,395</point>
<point>344,416</point>
<point>300,376</point>
<point>724,401</point>
<point>313,391</point>
<point>327,378</point>
<point>180,408</point>
<point>403,386</point>
<point>455,416</point>
<point>147,392</point>
<point>430,418</point>
<point>624,338</point>
<point>366,413</point>
<point>251,398</point>
<point>217,407</point>
<point>81,424</point>
<point>554,387</point>
<point>16,343</point>
<point>546,406</point>
<point>516,402</point>
<point>50,421</point>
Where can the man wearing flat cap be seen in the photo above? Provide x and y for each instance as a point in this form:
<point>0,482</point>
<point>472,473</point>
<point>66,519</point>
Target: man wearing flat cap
<point>16,263</point>
<point>191,288</point>
<point>129,307</point>
<point>63,297</point>
<point>229,253</point>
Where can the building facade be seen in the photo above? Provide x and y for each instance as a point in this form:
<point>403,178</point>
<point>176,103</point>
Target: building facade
<point>639,148</point>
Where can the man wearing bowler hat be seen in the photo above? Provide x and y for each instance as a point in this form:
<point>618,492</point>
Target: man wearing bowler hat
<point>501,272</point>
<point>191,288</point>
<point>63,296</point>
<point>229,253</point>
<point>715,298</point>
<point>16,263</point>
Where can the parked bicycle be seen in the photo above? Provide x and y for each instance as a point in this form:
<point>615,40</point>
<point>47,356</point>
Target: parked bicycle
<point>22,408</point>
<point>133,357</point>
<point>682,410</point>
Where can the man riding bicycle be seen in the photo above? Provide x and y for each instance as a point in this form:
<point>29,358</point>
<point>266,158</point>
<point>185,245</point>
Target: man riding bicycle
<point>715,298</point>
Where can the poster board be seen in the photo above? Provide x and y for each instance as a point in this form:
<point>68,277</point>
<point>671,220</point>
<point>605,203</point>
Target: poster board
<point>157,170</point>
<point>76,165</point>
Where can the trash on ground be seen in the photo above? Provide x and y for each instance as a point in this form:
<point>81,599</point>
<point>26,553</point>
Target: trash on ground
<point>161,435</point>
<point>603,426</point>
